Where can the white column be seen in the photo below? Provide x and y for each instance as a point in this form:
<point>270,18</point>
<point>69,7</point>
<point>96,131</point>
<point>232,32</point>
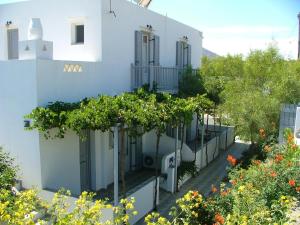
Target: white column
<point>116,166</point>
<point>202,139</point>
<point>175,173</point>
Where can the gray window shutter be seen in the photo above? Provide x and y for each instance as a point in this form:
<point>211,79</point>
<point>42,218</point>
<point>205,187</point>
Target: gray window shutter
<point>138,48</point>
<point>156,50</point>
<point>189,55</point>
<point>179,54</point>
<point>13,43</point>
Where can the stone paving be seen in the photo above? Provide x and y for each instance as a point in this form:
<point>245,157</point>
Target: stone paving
<point>212,174</point>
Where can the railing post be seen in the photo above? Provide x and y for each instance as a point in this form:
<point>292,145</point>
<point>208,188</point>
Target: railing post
<point>116,165</point>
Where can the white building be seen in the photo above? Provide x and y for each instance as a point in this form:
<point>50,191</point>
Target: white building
<point>85,48</point>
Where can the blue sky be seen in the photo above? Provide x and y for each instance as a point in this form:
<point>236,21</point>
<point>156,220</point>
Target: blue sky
<point>236,26</point>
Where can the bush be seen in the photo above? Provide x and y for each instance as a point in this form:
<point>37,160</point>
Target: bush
<point>8,170</point>
<point>262,192</point>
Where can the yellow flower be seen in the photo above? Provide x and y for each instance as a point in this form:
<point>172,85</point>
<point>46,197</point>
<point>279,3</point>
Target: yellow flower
<point>241,189</point>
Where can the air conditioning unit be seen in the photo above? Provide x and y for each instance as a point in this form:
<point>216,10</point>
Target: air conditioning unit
<point>149,161</point>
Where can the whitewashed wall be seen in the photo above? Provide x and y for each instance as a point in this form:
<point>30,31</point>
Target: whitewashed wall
<point>60,163</point>
<point>102,161</point>
<point>119,41</point>
<point>27,84</point>
<point>144,198</point>
<point>18,94</point>
<point>57,17</point>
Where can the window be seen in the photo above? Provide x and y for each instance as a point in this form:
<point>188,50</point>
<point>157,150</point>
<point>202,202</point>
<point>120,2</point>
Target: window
<point>79,30</point>
<point>78,34</point>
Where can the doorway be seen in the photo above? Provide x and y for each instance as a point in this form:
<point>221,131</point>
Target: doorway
<point>85,162</point>
<point>13,43</point>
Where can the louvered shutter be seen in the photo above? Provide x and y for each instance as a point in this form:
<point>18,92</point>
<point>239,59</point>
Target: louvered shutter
<point>179,54</point>
<point>13,43</point>
<point>138,48</point>
<point>189,55</point>
<point>156,50</point>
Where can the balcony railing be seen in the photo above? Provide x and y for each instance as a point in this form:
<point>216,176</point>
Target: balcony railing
<point>163,78</point>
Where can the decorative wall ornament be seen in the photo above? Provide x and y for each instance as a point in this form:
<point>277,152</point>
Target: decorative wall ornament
<point>27,48</point>
<point>44,48</point>
<point>72,68</point>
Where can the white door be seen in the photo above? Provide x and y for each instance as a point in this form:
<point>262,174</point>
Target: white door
<point>13,43</point>
<point>85,165</point>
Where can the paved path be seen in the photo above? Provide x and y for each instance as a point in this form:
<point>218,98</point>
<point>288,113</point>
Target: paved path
<point>212,174</point>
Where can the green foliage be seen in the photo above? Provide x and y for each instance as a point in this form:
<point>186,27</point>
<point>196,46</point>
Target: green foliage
<point>262,193</point>
<point>217,72</point>
<point>20,209</point>
<point>251,90</point>
<point>141,109</point>
<point>191,84</point>
<point>8,170</point>
<point>187,168</point>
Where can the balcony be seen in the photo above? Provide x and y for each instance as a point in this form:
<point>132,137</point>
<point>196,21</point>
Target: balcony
<point>164,79</point>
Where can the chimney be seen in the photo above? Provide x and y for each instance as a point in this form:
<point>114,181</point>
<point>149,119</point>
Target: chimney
<point>299,38</point>
<point>35,47</point>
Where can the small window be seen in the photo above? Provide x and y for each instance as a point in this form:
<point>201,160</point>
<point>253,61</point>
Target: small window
<point>79,30</point>
<point>77,34</point>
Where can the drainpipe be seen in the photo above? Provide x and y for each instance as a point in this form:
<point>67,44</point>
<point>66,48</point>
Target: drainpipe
<point>116,166</point>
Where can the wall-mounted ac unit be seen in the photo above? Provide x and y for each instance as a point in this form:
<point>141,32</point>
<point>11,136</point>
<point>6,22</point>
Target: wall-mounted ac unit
<point>149,161</point>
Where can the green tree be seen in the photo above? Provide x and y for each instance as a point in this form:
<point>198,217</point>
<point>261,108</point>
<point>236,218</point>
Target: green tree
<point>251,99</point>
<point>191,84</point>
<point>216,72</point>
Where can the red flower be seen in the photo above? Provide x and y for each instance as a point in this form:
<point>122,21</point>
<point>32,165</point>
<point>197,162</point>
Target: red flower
<point>213,189</point>
<point>232,161</point>
<point>195,194</point>
<point>257,162</point>
<point>294,146</point>
<point>262,133</point>
<point>278,158</point>
<point>273,174</point>
<point>233,182</point>
<point>219,219</point>
<point>298,189</point>
<point>292,183</point>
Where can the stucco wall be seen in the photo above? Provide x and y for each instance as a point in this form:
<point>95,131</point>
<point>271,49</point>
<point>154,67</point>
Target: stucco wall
<point>57,17</point>
<point>102,161</point>
<point>119,41</point>
<point>18,93</point>
<point>60,163</point>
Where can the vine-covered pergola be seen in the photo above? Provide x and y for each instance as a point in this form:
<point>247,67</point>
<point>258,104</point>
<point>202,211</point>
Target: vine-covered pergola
<point>135,113</point>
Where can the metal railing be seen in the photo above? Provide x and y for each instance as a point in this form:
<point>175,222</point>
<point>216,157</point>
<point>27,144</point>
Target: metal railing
<point>164,78</point>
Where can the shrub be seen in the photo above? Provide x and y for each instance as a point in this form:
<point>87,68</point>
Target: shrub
<point>7,170</point>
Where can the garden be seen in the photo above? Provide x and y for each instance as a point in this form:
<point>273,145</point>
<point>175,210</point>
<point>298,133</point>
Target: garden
<point>261,188</point>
